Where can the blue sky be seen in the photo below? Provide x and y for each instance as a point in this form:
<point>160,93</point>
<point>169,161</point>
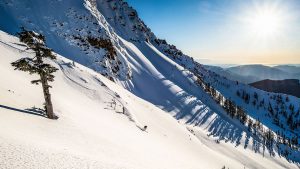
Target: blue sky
<point>218,30</point>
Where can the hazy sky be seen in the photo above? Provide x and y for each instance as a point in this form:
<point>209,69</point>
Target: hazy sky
<point>227,31</point>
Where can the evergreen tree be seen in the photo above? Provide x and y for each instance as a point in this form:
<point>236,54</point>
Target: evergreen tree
<point>241,115</point>
<point>227,106</point>
<point>238,93</point>
<point>36,65</point>
<point>232,109</point>
<point>213,93</point>
<point>250,123</point>
<point>270,109</point>
<point>289,121</point>
<point>269,138</point>
<point>276,119</point>
<point>219,99</point>
<point>292,107</point>
<point>247,98</point>
<point>255,95</point>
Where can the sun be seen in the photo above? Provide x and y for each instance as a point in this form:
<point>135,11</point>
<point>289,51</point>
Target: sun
<point>265,22</point>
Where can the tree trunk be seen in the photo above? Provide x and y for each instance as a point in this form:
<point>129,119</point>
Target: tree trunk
<point>47,96</point>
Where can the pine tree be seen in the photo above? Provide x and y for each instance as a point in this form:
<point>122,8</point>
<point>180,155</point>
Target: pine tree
<point>255,95</point>
<point>269,138</point>
<point>232,109</point>
<point>213,93</point>
<point>238,93</point>
<point>219,99</point>
<point>226,106</point>
<point>247,98</point>
<point>270,109</point>
<point>292,107</point>
<point>36,65</point>
<point>250,124</point>
<point>241,115</point>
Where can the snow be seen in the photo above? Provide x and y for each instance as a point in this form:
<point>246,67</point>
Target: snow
<point>91,134</point>
<point>183,122</point>
<point>229,89</point>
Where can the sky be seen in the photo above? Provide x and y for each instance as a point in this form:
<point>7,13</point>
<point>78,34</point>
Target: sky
<point>227,31</point>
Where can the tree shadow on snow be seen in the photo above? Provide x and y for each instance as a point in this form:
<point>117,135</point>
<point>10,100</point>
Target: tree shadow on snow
<point>32,111</point>
<point>220,125</point>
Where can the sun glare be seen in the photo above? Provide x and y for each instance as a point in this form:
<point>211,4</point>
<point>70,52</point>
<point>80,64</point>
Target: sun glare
<point>265,22</point>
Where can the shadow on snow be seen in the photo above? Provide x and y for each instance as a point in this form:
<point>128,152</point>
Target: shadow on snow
<point>32,111</point>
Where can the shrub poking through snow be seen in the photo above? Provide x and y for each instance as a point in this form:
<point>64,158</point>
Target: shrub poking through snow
<point>103,43</point>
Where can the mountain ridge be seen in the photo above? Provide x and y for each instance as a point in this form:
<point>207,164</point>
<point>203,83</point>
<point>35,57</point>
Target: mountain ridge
<point>253,73</point>
<point>287,86</point>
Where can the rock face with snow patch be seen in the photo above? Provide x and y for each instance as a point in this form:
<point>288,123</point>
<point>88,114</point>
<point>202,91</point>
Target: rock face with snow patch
<point>74,29</point>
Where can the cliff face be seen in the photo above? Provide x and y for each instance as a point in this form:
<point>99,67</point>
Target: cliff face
<point>72,28</point>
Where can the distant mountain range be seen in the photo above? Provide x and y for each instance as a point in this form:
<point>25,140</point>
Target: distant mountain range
<point>290,69</point>
<point>289,86</point>
<point>253,73</point>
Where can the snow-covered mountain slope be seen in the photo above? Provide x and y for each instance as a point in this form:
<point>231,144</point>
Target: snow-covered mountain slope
<point>108,37</point>
<point>91,133</point>
<point>147,72</point>
<point>73,28</point>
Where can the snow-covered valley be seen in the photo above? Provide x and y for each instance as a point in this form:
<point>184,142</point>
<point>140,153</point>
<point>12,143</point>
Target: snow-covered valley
<point>101,122</point>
